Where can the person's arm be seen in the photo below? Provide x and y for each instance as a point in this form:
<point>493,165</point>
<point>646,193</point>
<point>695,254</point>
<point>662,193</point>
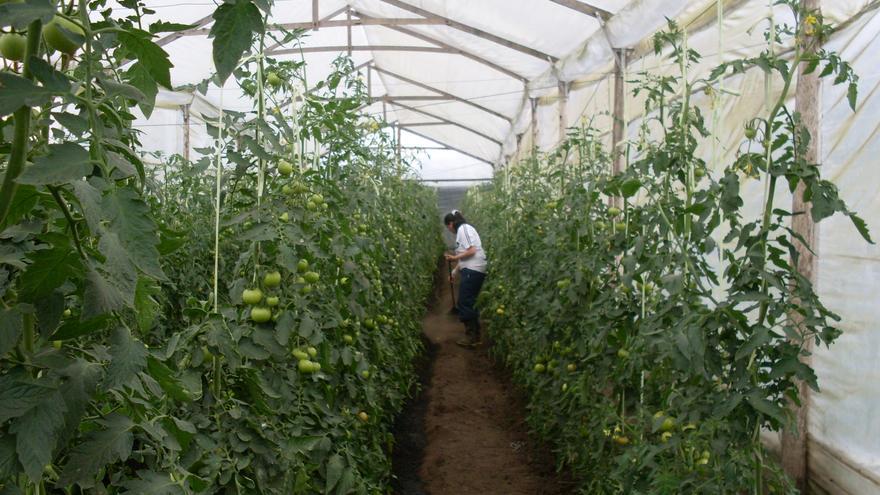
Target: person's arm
<point>467,253</point>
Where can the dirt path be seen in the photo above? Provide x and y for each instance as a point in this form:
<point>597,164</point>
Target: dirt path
<point>472,437</point>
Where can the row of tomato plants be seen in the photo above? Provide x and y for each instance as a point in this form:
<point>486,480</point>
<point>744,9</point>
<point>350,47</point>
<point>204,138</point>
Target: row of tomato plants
<point>167,328</point>
<point>657,328</point>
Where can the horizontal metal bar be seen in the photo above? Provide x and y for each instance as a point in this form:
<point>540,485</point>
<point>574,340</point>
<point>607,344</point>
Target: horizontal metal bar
<point>364,48</point>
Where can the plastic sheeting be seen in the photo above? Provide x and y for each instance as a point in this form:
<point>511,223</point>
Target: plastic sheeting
<point>493,81</point>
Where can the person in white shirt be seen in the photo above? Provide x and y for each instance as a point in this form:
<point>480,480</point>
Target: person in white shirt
<point>471,267</point>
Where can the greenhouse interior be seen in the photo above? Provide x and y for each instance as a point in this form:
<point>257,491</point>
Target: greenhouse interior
<point>513,247</point>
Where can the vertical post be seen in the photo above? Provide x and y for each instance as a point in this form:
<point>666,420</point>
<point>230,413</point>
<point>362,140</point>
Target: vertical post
<point>563,102</point>
<point>185,110</point>
<point>370,83</point>
<point>398,143</point>
<point>795,446</point>
<point>534,102</point>
<point>619,117</point>
<point>315,19</point>
<point>348,28</point>
<point>384,111</point>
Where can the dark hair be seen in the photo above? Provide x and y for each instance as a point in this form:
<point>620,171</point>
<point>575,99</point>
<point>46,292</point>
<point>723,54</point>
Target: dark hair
<point>455,218</point>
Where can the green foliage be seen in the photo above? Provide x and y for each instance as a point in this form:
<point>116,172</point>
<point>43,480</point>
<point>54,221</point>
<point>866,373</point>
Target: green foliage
<point>118,374</point>
<point>671,305</point>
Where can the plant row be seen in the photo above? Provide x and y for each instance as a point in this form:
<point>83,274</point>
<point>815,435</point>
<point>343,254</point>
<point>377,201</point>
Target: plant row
<point>656,328</point>
<point>242,323</point>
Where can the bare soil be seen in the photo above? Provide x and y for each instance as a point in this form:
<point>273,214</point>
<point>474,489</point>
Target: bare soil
<point>464,434</point>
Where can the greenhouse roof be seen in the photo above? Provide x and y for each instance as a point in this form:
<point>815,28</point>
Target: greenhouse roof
<point>465,79</point>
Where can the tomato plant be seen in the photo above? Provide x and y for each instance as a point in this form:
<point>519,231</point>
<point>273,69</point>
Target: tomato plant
<point>630,299</point>
<point>151,314</point>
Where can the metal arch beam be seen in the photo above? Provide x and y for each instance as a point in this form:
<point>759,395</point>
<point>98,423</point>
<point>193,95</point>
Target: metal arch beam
<point>585,8</point>
<point>204,21</point>
<point>445,121</point>
<point>330,23</point>
<point>474,31</point>
<point>457,51</point>
<point>440,91</point>
<point>447,146</point>
<point>363,48</point>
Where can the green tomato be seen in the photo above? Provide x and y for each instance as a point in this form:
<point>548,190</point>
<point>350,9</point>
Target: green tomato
<point>306,366</point>
<point>571,367</point>
<point>620,226</point>
<point>286,189</point>
<point>272,301</point>
<point>261,315</point>
<point>284,167</point>
<point>365,374</point>
<point>317,199</point>
<point>622,353</point>
<point>13,46</point>
<point>614,211</point>
<point>668,424</point>
<point>273,79</point>
<point>311,206</point>
<point>67,312</point>
<point>540,368</point>
<point>272,279</point>
<point>347,338</point>
<point>57,34</point>
<point>564,283</point>
<point>56,344</point>
<point>299,354</point>
<point>252,296</point>
<point>312,277</point>
<point>306,289</point>
<point>312,351</point>
<point>302,265</point>
<point>363,416</point>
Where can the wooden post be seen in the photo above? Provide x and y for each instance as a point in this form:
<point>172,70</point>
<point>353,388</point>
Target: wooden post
<point>534,102</point>
<point>185,110</point>
<point>398,143</point>
<point>619,117</point>
<point>563,102</point>
<point>369,84</point>
<point>315,19</point>
<point>348,17</point>
<point>795,446</point>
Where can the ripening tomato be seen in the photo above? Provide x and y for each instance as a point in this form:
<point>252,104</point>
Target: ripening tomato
<point>252,296</point>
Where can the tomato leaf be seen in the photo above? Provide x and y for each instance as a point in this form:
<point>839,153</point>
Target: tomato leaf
<point>152,483</point>
<point>130,218</point>
<point>10,328</point>
<point>19,15</point>
<point>36,434</point>
<point>81,381</point>
<point>16,92</point>
<point>150,55</point>
<point>18,394</point>
<point>139,77</point>
<point>99,449</point>
<point>235,23</point>
<point>334,472</point>
<point>8,461</point>
<point>52,79</point>
<point>49,269</point>
<point>64,163</point>
<point>164,376</point>
<point>128,358</point>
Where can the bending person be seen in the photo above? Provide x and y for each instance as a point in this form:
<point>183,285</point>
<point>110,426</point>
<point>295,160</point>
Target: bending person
<point>471,267</point>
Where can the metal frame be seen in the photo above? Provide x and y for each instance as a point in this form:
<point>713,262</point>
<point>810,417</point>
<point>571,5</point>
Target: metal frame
<point>584,8</point>
<point>474,31</point>
<point>440,91</point>
<point>359,48</point>
<point>455,50</point>
<point>443,121</point>
<point>449,147</point>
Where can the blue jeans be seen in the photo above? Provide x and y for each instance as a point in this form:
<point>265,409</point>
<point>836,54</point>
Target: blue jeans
<point>468,289</point>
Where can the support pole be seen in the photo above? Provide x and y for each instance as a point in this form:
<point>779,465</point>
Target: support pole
<point>186,137</point>
<point>619,117</point>
<point>397,151</point>
<point>348,17</point>
<point>795,447</point>
<point>369,83</point>
<point>534,102</point>
<point>563,103</point>
<point>315,19</point>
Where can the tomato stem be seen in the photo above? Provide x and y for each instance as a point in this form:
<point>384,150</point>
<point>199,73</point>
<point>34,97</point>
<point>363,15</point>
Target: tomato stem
<point>22,119</point>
